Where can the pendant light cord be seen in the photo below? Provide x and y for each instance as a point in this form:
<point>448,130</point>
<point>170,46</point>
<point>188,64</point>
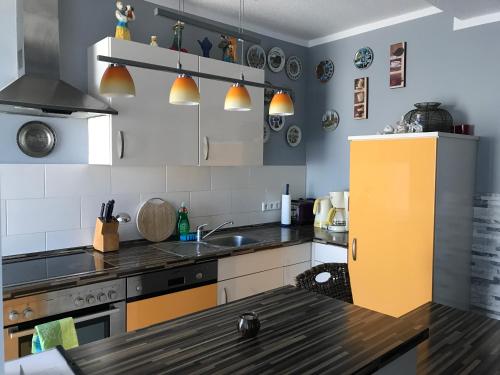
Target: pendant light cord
<point>241,15</point>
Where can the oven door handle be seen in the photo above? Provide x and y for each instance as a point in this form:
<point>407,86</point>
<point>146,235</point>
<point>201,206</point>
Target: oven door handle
<point>14,333</point>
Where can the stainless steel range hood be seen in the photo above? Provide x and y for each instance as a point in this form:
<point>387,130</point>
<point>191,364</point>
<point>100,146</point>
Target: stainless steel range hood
<point>40,91</point>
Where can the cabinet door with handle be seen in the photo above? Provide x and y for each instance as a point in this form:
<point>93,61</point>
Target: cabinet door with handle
<point>230,138</point>
<point>391,227</point>
<point>148,130</point>
<point>245,286</point>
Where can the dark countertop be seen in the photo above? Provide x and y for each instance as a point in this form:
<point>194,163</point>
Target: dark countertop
<point>142,256</point>
<point>300,331</point>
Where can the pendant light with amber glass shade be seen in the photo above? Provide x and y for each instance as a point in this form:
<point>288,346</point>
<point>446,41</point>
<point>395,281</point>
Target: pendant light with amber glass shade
<point>184,90</point>
<point>237,97</point>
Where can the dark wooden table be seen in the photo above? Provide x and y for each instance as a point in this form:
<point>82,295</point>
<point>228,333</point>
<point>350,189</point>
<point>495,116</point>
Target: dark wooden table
<point>302,332</point>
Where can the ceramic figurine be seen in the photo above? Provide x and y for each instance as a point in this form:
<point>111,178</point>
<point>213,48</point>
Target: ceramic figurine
<point>154,41</point>
<point>124,14</point>
<point>206,46</point>
<point>401,126</point>
<point>388,129</point>
<point>228,46</point>
<point>177,41</point>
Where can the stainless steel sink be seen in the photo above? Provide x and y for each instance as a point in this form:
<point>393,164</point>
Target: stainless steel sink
<point>231,241</point>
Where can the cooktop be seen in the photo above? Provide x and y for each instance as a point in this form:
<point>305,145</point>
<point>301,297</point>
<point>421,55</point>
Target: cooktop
<point>22,271</point>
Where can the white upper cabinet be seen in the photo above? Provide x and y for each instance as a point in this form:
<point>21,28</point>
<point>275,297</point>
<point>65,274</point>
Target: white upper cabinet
<point>229,138</point>
<point>148,130</point>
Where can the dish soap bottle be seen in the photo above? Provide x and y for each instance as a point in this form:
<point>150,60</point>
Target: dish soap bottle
<point>183,222</point>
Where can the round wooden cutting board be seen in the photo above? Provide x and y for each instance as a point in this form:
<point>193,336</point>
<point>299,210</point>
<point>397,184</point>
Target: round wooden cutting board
<point>156,220</point>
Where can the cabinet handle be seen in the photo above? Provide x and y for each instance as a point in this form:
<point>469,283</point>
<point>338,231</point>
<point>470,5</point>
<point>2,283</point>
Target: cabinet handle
<point>121,144</point>
<point>353,249</point>
<point>225,295</point>
<point>206,148</point>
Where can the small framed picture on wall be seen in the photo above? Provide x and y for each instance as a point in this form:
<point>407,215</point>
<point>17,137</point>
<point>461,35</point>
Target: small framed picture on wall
<point>397,67</point>
<point>361,98</point>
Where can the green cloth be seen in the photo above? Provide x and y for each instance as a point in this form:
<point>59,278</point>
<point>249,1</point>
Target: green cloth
<point>49,335</point>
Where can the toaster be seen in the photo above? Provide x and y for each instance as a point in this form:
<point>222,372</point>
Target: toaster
<point>302,211</point>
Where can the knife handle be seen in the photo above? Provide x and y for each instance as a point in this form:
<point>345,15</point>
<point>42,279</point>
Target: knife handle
<point>101,216</point>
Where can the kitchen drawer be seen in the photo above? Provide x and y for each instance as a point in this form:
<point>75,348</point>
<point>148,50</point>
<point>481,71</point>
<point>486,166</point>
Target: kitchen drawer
<point>297,254</point>
<point>245,286</point>
<point>328,253</point>
<point>290,272</point>
<point>149,311</point>
<point>246,264</point>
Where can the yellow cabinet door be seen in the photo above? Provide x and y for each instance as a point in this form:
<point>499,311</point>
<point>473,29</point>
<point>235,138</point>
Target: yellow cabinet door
<point>391,228</point>
<point>149,311</point>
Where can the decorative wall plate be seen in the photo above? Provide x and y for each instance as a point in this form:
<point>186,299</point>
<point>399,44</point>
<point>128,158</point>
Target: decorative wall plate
<point>325,70</point>
<point>256,57</point>
<point>330,120</point>
<point>293,68</point>
<point>276,122</point>
<point>36,139</point>
<point>293,136</point>
<point>267,132</point>
<point>363,58</point>
<point>276,59</point>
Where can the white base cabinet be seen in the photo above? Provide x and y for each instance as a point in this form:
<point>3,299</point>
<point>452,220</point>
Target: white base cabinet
<point>325,253</point>
<point>245,275</point>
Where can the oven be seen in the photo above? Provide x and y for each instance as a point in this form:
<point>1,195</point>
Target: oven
<point>97,309</point>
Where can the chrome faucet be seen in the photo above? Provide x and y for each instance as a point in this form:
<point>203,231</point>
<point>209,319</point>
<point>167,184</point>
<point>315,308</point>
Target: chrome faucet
<point>199,230</point>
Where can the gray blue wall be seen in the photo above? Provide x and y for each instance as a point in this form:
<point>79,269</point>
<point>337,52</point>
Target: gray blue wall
<point>459,69</point>
<point>83,23</point>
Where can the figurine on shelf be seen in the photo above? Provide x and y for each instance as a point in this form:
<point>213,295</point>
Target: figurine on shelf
<point>401,126</point>
<point>177,41</point>
<point>154,41</point>
<point>124,14</point>
<point>206,46</point>
<point>228,46</point>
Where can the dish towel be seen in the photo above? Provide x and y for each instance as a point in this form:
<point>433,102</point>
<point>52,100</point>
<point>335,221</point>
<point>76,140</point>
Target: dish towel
<point>49,335</point>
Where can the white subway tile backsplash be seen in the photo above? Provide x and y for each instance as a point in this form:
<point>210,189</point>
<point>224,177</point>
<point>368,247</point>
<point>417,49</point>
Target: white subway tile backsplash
<point>188,178</point>
<point>230,178</point>
<point>174,198</point>
<point>22,181</point>
<point>278,176</point>
<point>23,243</point>
<point>76,180</point>
<point>91,205</point>
<point>42,215</point>
<point>69,238</point>
<point>137,179</point>
<point>55,206</point>
<point>247,200</point>
<point>209,203</point>
<point>3,218</point>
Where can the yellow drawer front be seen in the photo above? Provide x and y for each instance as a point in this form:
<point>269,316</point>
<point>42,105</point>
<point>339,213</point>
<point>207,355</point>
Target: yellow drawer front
<point>154,310</point>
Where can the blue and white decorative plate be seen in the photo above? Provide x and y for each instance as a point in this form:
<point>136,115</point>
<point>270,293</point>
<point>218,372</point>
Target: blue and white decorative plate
<point>256,57</point>
<point>363,58</point>
<point>293,136</point>
<point>325,70</point>
<point>276,59</point>
<point>293,68</point>
<point>276,122</point>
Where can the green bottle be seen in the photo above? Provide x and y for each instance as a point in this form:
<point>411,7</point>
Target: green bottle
<point>183,222</point>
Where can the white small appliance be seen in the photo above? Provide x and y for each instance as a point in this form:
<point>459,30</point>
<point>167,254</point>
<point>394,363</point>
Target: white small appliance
<point>338,215</point>
<point>321,209</point>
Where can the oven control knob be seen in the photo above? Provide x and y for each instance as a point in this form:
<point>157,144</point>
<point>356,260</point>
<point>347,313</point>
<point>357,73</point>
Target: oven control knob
<point>101,297</point>
<point>112,294</point>
<point>199,276</point>
<point>79,301</point>
<point>90,299</point>
<point>13,315</point>
<point>28,313</point>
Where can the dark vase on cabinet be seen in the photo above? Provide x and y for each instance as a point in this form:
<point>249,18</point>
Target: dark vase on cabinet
<point>433,118</point>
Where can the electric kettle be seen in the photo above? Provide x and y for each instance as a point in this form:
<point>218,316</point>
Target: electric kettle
<point>321,209</point>
<point>338,216</point>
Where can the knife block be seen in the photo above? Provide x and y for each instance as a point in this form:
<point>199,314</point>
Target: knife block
<point>106,237</point>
